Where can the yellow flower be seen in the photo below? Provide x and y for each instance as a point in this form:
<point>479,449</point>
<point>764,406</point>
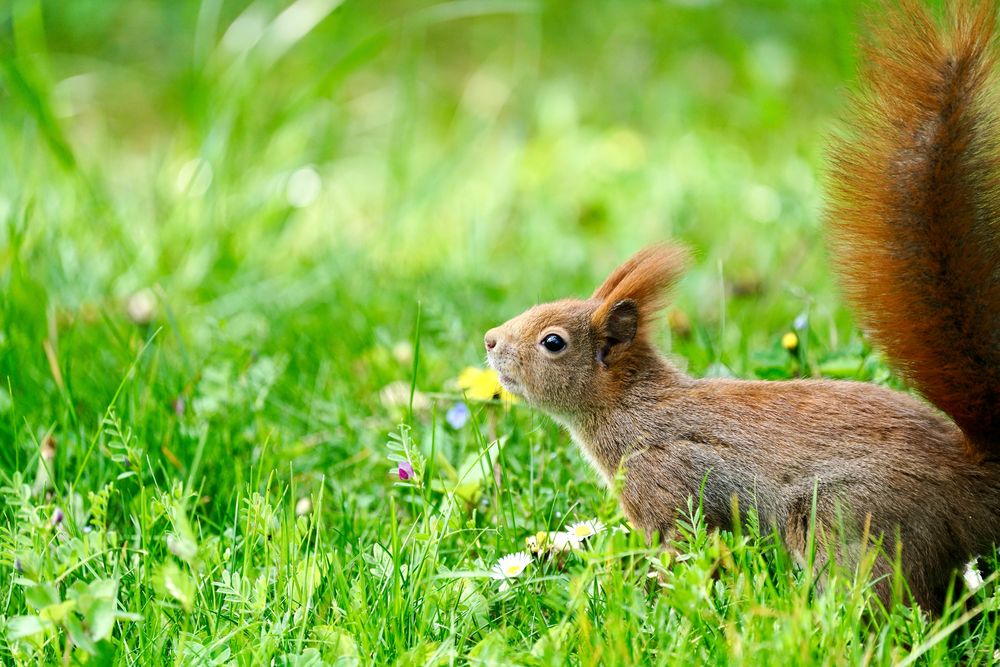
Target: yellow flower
<point>482,384</point>
<point>790,341</point>
<point>536,542</point>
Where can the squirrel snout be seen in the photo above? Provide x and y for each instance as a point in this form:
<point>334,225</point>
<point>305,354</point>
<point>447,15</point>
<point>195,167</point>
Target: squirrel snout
<point>490,340</point>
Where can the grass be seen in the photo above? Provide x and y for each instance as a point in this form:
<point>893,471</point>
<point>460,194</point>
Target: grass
<point>246,250</point>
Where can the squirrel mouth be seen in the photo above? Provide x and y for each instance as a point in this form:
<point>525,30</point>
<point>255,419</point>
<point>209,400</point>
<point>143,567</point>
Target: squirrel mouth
<point>508,383</point>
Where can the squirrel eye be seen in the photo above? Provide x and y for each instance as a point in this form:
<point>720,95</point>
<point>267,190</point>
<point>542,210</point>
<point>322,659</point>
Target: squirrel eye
<point>553,343</point>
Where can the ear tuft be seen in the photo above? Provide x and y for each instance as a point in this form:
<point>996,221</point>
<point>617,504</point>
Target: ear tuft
<point>643,280</point>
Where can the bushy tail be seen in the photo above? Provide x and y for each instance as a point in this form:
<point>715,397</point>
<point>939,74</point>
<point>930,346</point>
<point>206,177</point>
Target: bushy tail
<point>914,219</point>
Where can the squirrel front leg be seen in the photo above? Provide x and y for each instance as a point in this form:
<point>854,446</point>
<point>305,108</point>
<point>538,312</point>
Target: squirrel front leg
<point>652,499</point>
<point>648,518</point>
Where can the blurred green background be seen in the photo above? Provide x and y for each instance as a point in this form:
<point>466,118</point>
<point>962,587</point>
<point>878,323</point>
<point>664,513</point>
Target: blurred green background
<point>222,219</point>
<point>297,177</point>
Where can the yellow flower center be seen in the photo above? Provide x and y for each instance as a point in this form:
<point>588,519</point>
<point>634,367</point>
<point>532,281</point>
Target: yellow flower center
<point>583,531</point>
<point>512,570</point>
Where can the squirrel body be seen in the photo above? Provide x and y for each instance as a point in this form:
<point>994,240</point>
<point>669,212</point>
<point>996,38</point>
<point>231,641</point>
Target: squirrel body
<point>879,454</point>
<point>914,226</point>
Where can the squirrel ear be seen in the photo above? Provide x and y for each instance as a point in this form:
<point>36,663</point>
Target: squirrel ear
<point>637,289</point>
<point>645,276</point>
<point>619,328</point>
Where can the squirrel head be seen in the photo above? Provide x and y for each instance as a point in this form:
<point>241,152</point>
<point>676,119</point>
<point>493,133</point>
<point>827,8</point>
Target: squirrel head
<point>579,355</point>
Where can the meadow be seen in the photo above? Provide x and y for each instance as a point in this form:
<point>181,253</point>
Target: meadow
<point>248,252</point>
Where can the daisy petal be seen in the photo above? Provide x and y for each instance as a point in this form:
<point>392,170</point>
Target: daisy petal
<point>584,529</point>
<point>511,566</point>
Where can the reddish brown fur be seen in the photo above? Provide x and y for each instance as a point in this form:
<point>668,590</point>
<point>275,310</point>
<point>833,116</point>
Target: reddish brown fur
<point>915,216</point>
<point>644,278</point>
<point>916,206</point>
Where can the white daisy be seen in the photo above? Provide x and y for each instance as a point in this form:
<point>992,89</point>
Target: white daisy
<point>542,542</point>
<point>510,566</point>
<point>973,578</point>
<point>581,530</point>
<point>564,541</point>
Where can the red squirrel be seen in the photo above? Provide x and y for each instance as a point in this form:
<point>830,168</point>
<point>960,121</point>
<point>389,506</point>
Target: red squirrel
<point>914,229</point>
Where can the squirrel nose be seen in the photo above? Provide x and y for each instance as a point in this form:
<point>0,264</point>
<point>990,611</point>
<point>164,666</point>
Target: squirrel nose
<point>491,339</point>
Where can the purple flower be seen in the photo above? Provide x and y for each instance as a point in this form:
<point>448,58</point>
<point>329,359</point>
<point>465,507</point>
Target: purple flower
<point>57,517</point>
<point>405,470</point>
<point>178,406</point>
<point>18,567</point>
<point>800,322</point>
<point>457,416</point>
